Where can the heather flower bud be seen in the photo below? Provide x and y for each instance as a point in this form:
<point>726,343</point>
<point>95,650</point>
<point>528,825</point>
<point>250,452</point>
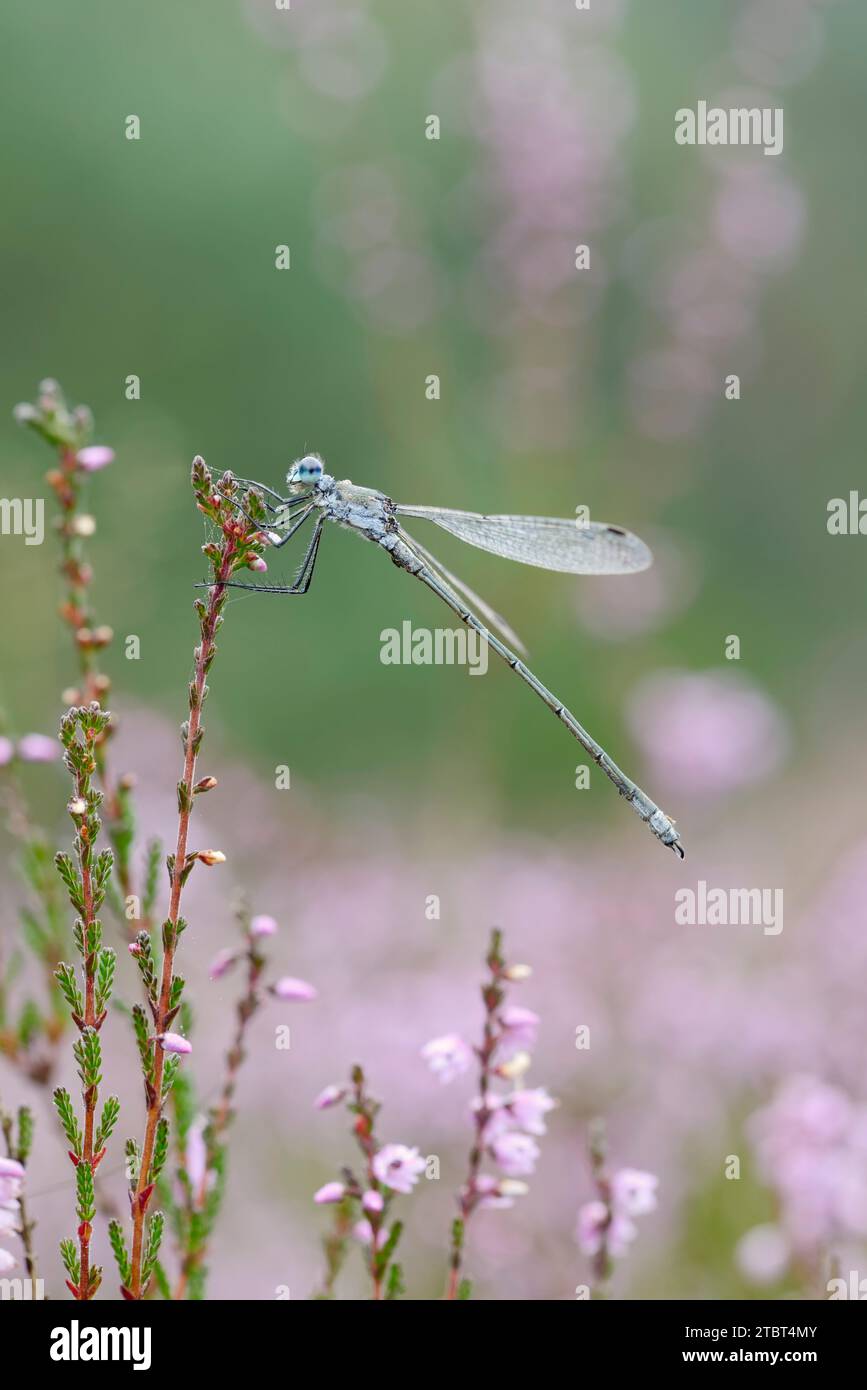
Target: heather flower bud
<point>173,1042</point>
<point>211,856</point>
<point>331,1192</point>
<point>515,1067</point>
<point>94,457</point>
<point>331,1096</point>
<point>222,964</point>
<point>263,926</point>
<point>293,990</point>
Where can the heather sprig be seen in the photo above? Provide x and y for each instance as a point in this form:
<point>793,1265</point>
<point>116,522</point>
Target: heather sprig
<point>69,432</point>
<point>505,1123</point>
<point>201,1138</point>
<point>202,1147</point>
<point>240,544</point>
<point>364,1203</point>
<point>87,991</point>
<point>606,1226</point>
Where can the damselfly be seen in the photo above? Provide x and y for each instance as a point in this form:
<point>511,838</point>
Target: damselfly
<point>569,546</point>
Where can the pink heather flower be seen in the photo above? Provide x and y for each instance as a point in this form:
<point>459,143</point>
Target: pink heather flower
<point>38,748</point>
<point>633,1193</point>
<point>331,1192</point>
<point>11,1184</point>
<point>497,1121</point>
<point>497,1194</point>
<point>515,1153</point>
<point>258,564</point>
<point>707,733</point>
<point>527,1109</point>
<point>398,1167</point>
<point>173,1042</point>
<point>196,1153</point>
<point>804,1112</point>
<point>590,1231</point>
<point>331,1095</point>
<point>373,1201</point>
<point>448,1056</point>
<point>263,926</point>
<point>519,1027</point>
<point>8,1222</point>
<point>363,1231</point>
<point>10,1191</point>
<point>595,1230</point>
<point>94,457</point>
<point>762,1255</point>
<point>295,991</point>
<point>7,1261</point>
<point>7,751</point>
<point>222,963</point>
<point>811,1148</point>
<point>620,1235</point>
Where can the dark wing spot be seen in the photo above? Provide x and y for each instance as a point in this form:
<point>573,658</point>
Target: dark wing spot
<point>616,531</point>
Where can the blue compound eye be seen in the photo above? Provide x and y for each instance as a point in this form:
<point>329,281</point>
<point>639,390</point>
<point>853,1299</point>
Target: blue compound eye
<point>306,470</point>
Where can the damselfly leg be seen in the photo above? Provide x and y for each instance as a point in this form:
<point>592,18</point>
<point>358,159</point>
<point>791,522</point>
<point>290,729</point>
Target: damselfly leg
<point>299,522</point>
<point>282,502</point>
<point>303,577</point>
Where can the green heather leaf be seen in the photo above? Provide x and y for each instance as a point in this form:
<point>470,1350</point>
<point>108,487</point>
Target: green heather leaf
<point>63,1105</point>
<point>118,1245</point>
<point>108,1120</point>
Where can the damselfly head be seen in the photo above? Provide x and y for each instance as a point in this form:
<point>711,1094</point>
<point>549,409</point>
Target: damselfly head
<point>306,471</point>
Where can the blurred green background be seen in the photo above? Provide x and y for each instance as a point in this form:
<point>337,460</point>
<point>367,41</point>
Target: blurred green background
<point>156,257</point>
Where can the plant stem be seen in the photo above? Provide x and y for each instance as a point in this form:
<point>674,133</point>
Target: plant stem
<point>89,1096</point>
<point>221,1115</point>
<point>365,1116</point>
<point>468,1198</point>
<point>204,656</point>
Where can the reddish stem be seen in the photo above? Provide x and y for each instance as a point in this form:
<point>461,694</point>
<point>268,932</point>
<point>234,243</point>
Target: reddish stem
<point>204,652</point>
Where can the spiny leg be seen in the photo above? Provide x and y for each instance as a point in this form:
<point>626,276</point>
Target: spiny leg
<point>299,522</point>
<point>290,506</point>
<point>261,487</point>
<point>308,564</point>
<point>640,802</point>
<point>302,579</point>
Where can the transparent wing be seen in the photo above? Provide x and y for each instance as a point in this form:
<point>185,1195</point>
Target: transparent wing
<point>451,581</point>
<point>551,543</point>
